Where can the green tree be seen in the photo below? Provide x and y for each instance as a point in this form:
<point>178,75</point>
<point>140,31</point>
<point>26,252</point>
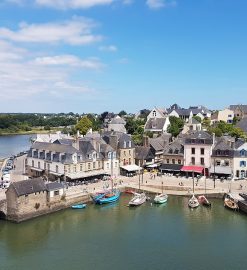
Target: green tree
<point>84,125</point>
<point>197,118</point>
<point>176,125</point>
<point>122,113</point>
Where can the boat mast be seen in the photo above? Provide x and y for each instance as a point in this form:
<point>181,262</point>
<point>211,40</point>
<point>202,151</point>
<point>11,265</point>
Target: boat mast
<point>205,180</point>
<point>112,171</point>
<point>193,182</point>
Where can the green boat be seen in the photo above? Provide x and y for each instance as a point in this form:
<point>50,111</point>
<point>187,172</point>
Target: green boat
<point>161,198</point>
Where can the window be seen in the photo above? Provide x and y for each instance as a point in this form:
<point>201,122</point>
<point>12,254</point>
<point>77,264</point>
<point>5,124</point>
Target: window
<point>32,163</point>
<point>125,153</point>
<point>48,165</point>
<point>154,114</point>
<point>65,169</point>
<point>202,161</point>
<point>193,160</point>
<point>56,193</point>
<point>129,161</point>
<point>179,161</point>
<point>124,144</point>
<point>98,164</point>
<point>68,169</point>
<point>202,151</point>
<point>227,163</point>
<point>168,161</point>
<point>39,165</point>
<point>173,161</point>
<point>81,167</point>
<point>45,166</point>
<point>237,173</point>
<point>94,165</point>
<point>217,162</point>
<point>242,163</point>
<point>193,151</point>
<point>107,165</point>
<point>130,152</point>
<point>115,164</point>
<point>242,153</point>
<point>56,168</point>
<point>129,144</point>
<point>89,166</point>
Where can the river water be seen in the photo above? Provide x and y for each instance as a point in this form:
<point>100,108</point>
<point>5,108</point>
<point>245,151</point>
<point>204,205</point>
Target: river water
<point>13,144</point>
<point>153,237</point>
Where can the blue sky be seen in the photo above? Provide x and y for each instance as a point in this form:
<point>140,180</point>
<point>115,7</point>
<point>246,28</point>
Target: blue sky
<point>97,55</point>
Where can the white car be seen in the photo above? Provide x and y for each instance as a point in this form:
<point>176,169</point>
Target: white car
<point>6,184</point>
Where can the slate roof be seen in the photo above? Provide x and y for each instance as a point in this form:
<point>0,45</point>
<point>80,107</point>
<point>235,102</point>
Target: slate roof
<point>143,153</point>
<point>198,137</point>
<point>158,143</point>
<point>54,186</point>
<point>239,142</point>
<point>64,141</point>
<point>117,120</point>
<point>243,124</point>
<point>54,147</point>
<point>29,186</point>
<point>241,107</point>
<point>174,148</point>
<point>155,123</point>
<point>194,121</point>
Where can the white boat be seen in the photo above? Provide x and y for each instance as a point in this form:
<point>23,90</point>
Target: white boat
<point>161,198</point>
<point>193,202</point>
<point>138,199</point>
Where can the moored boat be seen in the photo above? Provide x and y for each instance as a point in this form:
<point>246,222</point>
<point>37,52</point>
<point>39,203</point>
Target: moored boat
<point>138,199</point>
<point>108,197</point>
<point>204,201</point>
<point>230,202</point>
<point>79,206</point>
<point>161,198</point>
<point>193,202</point>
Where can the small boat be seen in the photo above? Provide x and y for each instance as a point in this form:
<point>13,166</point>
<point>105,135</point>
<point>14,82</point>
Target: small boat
<point>204,201</point>
<point>138,199</point>
<point>107,197</point>
<point>79,206</point>
<point>230,202</point>
<point>161,198</point>
<point>193,202</point>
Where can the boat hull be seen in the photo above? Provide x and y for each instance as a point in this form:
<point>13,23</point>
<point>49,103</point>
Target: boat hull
<point>138,199</point>
<point>160,199</point>
<point>230,204</point>
<point>106,200</point>
<point>79,206</point>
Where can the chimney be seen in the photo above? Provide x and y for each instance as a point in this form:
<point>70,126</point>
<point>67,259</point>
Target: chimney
<point>145,141</point>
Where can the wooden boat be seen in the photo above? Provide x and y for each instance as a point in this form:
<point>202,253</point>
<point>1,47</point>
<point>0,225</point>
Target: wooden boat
<point>79,206</point>
<point>230,202</point>
<point>193,202</point>
<point>204,201</point>
<point>138,199</point>
<point>161,198</point>
<point>108,197</point>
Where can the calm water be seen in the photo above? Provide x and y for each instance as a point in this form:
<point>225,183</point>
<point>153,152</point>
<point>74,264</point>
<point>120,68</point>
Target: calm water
<point>11,145</point>
<point>115,237</point>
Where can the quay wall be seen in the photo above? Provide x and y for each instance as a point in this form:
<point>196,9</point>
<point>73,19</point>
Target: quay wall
<point>31,211</point>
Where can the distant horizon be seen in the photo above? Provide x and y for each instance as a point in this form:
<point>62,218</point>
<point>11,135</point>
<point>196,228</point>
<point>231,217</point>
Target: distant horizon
<point>117,112</point>
<point>112,55</point>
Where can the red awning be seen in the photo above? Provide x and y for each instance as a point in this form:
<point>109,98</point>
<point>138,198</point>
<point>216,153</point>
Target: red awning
<point>196,169</point>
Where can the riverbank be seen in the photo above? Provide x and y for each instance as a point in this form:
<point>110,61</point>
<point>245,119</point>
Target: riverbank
<point>39,130</point>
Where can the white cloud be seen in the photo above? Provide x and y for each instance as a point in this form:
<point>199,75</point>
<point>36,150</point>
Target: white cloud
<point>68,60</point>
<point>128,2</point>
<point>77,31</point>
<point>110,48</point>
<point>157,4</point>
<point>73,4</point>
<point>23,76</point>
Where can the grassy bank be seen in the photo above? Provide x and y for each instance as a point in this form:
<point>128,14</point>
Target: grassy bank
<point>39,130</point>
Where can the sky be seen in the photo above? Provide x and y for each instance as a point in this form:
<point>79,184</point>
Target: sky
<point>113,55</point>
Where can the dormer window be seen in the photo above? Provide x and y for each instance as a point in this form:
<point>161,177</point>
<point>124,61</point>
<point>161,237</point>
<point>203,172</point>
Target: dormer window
<point>154,113</point>
<point>170,151</point>
<point>124,144</point>
<point>130,144</point>
<point>242,153</point>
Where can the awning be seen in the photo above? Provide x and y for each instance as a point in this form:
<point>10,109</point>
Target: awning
<point>55,173</point>
<point>131,168</point>
<point>153,166</point>
<point>196,169</point>
<point>86,174</point>
<point>36,169</point>
<point>221,170</point>
<point>171,167</point>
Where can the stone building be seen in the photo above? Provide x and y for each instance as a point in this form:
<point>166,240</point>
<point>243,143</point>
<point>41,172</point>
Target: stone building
<point>117,124</point>
<point>26,199</point>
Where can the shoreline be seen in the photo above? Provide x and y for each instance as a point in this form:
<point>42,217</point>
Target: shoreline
<point>31,132</point>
